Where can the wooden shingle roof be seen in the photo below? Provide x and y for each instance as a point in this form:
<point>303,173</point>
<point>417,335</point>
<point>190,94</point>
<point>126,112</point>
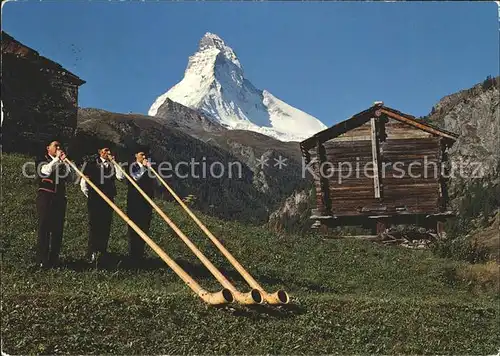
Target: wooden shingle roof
<point>376,110</point>
<point>12,46</point>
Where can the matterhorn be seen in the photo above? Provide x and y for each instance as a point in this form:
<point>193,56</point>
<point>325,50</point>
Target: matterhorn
<point>214,84</point>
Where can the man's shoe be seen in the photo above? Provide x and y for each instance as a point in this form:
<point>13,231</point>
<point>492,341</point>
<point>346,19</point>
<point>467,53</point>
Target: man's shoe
<point>55,263</point>
<point>43,266</point>
<point>136,261</point>
<point>93,258</point>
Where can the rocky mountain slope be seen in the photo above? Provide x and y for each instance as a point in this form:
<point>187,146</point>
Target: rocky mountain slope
<point>226,197</point>
<point>262,154</point>
<point>475,115</point>
<point>183,135</point>
<point>214,83</point>
<point>186,119</point>
<point>474,195</point>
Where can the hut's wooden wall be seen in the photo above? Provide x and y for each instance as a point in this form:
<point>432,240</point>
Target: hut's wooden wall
<point>350,155</point>
<point>39,98</point>
<point>351,180</point>
<point>410,181</point>
<point>411,189</point>
<point>349,171</point>
<point>38,105</point>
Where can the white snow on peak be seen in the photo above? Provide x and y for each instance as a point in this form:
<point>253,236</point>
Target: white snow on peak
<point>214,83</point>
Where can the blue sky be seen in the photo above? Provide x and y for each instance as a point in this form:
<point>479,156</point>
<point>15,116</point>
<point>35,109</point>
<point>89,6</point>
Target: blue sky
<point>330,59</point>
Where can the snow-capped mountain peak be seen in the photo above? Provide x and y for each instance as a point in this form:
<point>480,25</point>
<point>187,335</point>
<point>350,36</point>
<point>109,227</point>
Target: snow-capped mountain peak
<point>211,41</point>
<point>214,83</point>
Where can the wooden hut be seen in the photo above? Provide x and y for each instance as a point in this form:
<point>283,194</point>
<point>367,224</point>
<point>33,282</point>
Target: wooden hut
<point>39,98</point>
<point>378,168</point>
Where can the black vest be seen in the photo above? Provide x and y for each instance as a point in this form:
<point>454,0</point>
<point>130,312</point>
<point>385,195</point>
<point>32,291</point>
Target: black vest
<point>145,182</point>
<point>55,183</point>
<point>103,177</point>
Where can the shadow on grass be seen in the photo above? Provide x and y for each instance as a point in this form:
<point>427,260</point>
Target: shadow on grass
<point>117,262</point>
<point>309,285</point>
<point>264,311</point>
<point>114,261</point>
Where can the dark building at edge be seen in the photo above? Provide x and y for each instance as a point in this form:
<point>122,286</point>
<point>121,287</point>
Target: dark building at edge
<point>39,99</point>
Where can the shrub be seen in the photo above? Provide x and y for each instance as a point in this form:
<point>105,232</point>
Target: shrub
<point>479,201</point>
<point>485,276</point>
<point>461,248</point>
<point>489,83</point>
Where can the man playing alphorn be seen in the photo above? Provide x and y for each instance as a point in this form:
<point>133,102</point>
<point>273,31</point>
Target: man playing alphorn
<point>102,173</point>
<point>138,209</point>
<point>51,200</point>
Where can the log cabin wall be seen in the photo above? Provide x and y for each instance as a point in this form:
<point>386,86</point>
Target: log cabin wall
<point>312,158</point>
<point>405,187</point>
<point>349,187</point>
<point>408,164</point>
<point>38,106</point>
<point>39,98</point>
<point>380,163</point>
<point>410,169</point>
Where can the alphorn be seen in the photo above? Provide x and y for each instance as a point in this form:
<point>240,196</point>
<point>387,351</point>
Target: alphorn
<point>279,297</point>
<point>217,298</point>
<point>252,297</point>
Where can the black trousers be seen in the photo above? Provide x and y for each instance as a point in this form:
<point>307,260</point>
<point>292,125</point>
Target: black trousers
<point>140,212</point>
<point>100,218</point>
<point>51,209</point>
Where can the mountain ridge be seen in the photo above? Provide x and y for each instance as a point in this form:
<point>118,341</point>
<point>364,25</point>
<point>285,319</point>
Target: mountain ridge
<point>183,135</point>
<point>214,83</point>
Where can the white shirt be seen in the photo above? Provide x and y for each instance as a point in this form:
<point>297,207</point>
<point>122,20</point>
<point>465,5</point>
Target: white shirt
<point>83,183</point>
<point>138,174</point>
<point>47,168</point>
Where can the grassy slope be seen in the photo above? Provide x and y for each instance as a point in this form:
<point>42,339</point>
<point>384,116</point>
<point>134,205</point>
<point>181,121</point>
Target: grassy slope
<point>349,296</point>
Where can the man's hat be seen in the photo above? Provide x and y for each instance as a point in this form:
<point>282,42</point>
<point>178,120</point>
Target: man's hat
<point>141,148</point>
<point>49,140</point>
<point>106,144</point>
